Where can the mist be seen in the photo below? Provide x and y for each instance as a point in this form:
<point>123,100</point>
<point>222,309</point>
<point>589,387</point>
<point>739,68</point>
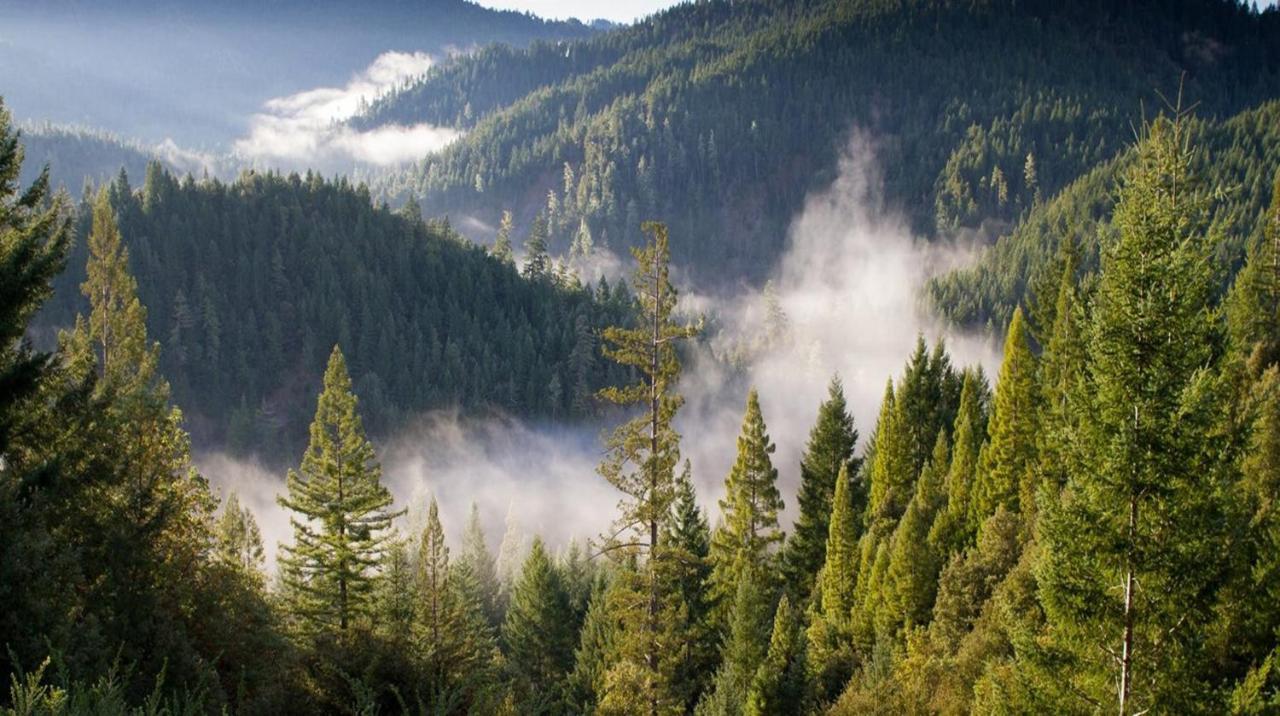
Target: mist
<point>307,129</point>
<point>849,283</point>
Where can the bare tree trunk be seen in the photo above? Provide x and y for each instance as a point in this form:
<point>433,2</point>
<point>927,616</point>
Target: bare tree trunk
<point>1126,654</point>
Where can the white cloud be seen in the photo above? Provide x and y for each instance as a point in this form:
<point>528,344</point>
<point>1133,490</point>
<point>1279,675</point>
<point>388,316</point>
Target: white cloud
<point>308,128</point>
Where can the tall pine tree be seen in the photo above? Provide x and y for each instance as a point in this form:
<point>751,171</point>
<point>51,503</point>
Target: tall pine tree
<point>341,513</point>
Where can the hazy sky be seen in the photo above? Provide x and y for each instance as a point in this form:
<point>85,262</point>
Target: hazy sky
<point>616,10</point>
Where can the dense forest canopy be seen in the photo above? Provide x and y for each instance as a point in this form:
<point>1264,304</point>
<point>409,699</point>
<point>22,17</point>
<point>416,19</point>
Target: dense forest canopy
<point>427,319</point>
<point>721,117</point>
<point>1087,524</point>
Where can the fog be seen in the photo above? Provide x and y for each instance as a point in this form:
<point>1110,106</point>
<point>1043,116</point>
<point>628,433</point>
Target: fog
<point>849,283</point>
<point>307,129</point>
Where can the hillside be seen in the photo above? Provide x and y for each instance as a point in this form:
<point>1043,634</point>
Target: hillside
<point>250,284</point>
<point>1240,156</point>
<point>720,117</point>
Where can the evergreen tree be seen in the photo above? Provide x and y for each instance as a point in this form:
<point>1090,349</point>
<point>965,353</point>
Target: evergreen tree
<point>476,558</point>
<point>749,532</point>
<point>1131,551</point>
<point>691,641</point>
<point>1253,306</point>
<point>746,642</point>
<point>537,262</point>
<point>913,564</point>
<point>502,244</point>
<point>1004,466</point>
<point>828,453</point>
<point>239,539</point>
<point>539,637</point>
<point>951,531</point>
<point>779,686</point>
<point>829,636</point>
<point>643,452</point>
<point>597,649</point>
<point>341,513</point>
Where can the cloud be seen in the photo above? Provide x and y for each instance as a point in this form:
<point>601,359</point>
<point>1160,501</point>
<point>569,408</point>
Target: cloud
<point>309,129</point>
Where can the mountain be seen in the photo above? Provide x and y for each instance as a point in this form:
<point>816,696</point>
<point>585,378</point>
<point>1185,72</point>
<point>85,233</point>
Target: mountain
<point>250,284</point>
<point>1240,156</point>
<point>720,117</point>
<point>195,72</point>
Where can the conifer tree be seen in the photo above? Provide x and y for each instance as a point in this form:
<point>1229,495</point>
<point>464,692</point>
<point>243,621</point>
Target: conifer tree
<point>539,637</point>
<point>911,582</point>
<point>341,513</point>
<point>751,504</point>
<point>597,649</point>
<point>476,558</point>
<point>395,604</point>
<point>780,686</point>
<point>828,452</point>
<point>537,262</point>
<point>746,642</point>
<point>643,452</point>
<point>239,539</point>
<point>951,531</point>
<point>1131,551</point>
<point>830,654</point>
<point>1005,464</point>
<point>502,244</point>
<point>1253,306</point>
<point>691,640</point>
<point>36,239</point>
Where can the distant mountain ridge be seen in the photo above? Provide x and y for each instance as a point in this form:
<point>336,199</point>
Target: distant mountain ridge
<point>720,117</point>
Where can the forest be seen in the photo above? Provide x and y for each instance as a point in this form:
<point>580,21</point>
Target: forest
<point>1091,529</point>
<point>720,116</point>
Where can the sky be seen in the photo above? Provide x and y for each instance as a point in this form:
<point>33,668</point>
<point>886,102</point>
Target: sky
<point>615,10</point>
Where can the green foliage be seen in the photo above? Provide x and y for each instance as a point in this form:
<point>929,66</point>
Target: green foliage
<point>426,319</point>
<point>1004,475</point>
<point>341,514</point>
<point>779,686</point>
<point>747,537</point>
<point>828,453</point>
<point>539,637</point>
<point>1132,556</point>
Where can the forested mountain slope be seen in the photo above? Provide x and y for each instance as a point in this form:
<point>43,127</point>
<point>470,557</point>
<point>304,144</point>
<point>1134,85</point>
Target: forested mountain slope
<point>1239,157</point>
<point>249,285</point>
<point>719,117</point>
<point>75,156</point>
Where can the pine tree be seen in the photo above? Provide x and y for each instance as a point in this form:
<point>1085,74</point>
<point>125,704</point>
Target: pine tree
<point>117,321</point>
<point>502,244</point>
<point>239,539</point>
<point>36,238</point>
<point>913,563</point>
<point>951,531</point>
<point>1005,465</point>
<point>829,635</point>
<point>511,554</point>
<point>643,452</point>
<point>746,642</point>
<point>749,532</point>
<point>431,585</point>
<point>828,453</point>
<point>779,686</point>
<point>538,636</point>
<point>476,558</point>
<point>341,513</point>
<point>1131,550</point>
<point>1253,306</point>
<point>691,641</point>
<point>537,262</point>
<point>597,649</point>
